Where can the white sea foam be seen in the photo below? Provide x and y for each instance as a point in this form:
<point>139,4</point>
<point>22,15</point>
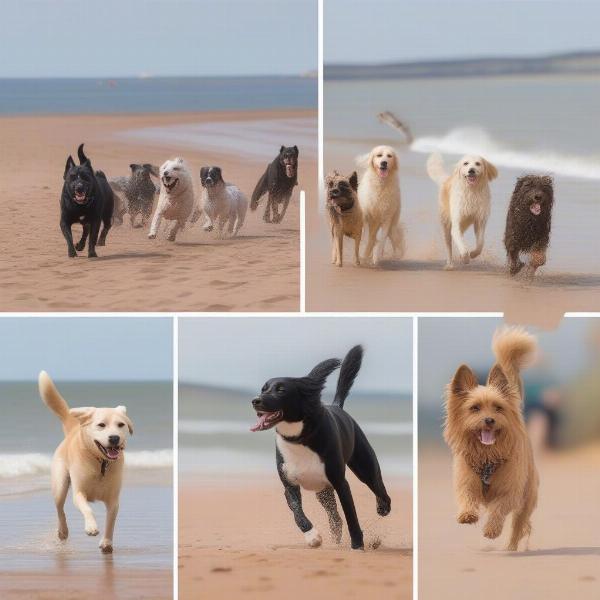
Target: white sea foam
<point>196,427</point>
<point>259,139</point>
<point>473,140</point>
<point>20,465</point>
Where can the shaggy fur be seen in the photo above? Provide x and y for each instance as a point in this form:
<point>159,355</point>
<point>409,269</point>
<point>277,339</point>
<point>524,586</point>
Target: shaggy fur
<point>345,214</point>
<point>278,183</point>
<point>464,201</point>
<point>528,223</point>
<point>485,429</point>
<point>177,201</point>
<point>379,198</point>
<point>138,193</point>
<point>221,202</point>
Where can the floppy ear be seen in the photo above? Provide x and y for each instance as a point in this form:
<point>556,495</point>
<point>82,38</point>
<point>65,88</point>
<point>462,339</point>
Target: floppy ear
<point>490,170</point>
<point>296,150</point>
<point>70,163</point>
<point>519,184</point>
<point>498,378</point>
<point>353,181</point>
<point>83,414</point>
<point>464,381</point>
<point>122,410</point>
<point>203,173</point>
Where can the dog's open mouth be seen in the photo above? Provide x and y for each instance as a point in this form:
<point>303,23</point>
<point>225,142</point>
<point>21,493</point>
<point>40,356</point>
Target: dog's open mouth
<point>536,208</point>
<point>471,178</point>
<point>487,437</point>
<point>290,170</point>
<point>80,197</point>
<point>170,185</point>
<point>382,172</point>
<point>266,420</point>
<point>111,452</point>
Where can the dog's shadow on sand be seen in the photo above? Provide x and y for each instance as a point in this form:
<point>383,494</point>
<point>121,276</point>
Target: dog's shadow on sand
<point>439,265</point>
<point>132,255</point>
<point>565,551</point>
<point>218,242</point>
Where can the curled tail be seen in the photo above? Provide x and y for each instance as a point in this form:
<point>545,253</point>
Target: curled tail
<point>436,168</point>
<point>348,372</point>
<point>514,349</point>
<point>259,191</point>
<point>55,402</point>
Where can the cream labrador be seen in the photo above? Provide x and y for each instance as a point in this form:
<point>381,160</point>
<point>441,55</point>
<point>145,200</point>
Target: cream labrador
<point>379,199</point>
<point>90,458</point>
<point>464,201</point>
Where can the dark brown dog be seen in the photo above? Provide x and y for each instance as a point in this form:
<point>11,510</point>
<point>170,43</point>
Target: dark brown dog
<point>345,214</point>
<point>528,223</point>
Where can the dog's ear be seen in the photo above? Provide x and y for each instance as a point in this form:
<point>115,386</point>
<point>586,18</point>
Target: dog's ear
<point>83,414</point>
<point>353,181</point>
<point>520,182</point>
<point>281,149</point>
<point>122,410</point>
<point>68,166</point>
<point>152,168</point>
<point>498,379</point>
<point>296,151</point>
<point>133,166</point>
<point>324,368</point>
<point>490,170</point>
<point>464,381</point>
<point>203,173</point>
<point>179,160</point>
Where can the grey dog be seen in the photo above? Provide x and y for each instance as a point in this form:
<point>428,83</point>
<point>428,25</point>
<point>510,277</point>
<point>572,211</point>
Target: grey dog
<point>136,193</point>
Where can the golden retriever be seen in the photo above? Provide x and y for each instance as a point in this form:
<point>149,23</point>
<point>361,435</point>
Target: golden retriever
<point>379,199</point>
<point>90,458</point>
<point>464,201</point>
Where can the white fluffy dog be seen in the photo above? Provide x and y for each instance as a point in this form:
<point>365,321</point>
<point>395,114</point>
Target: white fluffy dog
<point>177,199</point>
<point>379,199</point>
<point>221,202</point>
<point>464,201</point>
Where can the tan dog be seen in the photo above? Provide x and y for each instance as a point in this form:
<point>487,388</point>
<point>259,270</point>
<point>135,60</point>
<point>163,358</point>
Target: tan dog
<point>464,201</point>
<point>379,198</point>
<point>90,457</point>
<point>485,429</point>
<point>345,214</point>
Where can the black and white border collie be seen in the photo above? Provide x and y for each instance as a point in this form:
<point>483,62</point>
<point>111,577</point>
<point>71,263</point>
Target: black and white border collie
<point>315,442</point>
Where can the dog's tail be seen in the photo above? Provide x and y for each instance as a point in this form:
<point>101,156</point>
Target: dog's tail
<point>436,168</point>
<point>514,349</point>
<point>348,371</point>
<point>260,190</point>
<point>54,401</point>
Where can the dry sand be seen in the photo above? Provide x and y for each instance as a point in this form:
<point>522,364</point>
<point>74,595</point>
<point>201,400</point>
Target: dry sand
<point>457,562</point>
<point>419,283</point>
<point>243,542</point>
<point>259,271</point>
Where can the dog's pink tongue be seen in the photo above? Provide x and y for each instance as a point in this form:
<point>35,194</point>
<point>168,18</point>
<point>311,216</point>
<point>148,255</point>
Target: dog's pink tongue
<point>536,208</point>
<point>112,452</point>
<point>383,173</point>
<point>289,170</point>
<point>487,437</point>
<point>260,424</point>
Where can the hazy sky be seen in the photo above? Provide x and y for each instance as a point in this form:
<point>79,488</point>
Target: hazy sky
<point>444,344</point>
<point>117,349</point>
<point>112,38</point>
<point>367,31</point>
<point>242,353</point>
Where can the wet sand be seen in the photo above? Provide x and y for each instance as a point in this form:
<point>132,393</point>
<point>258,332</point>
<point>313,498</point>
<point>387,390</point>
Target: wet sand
<point>457,562</point>
<point>258,271</point>
<point>244,543</point>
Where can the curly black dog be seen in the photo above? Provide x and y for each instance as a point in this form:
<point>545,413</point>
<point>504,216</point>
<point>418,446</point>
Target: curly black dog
<point>315,442</point>
<point>87,199</point>
<point>528,223</point>
<point>139,191</point>
<point>278,181</point>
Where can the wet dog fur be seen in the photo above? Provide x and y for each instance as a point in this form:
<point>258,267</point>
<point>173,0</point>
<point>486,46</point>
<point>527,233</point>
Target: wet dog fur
<point>492,456</point>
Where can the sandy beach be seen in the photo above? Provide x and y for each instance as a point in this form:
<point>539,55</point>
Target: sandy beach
<point>258,271</point>
<point>456,561</point>
<point>244,543</point>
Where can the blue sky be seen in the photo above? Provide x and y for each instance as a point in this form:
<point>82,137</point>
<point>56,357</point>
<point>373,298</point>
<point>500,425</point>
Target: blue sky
<point>86,348</point>
<point>116,38</point>
<point>242,353</point>
<point>365,31</point>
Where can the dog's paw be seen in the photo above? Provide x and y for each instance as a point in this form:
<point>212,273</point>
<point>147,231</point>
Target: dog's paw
<point>313,538</point>
<point>492,530</point>
<point>101,243</point>
<point>338,263</point>
<point>63,533</point>
<point>474,253</point>
<point>151,236</point>
<point>79,246</point>
<point>465,258</point>
<point>208,228</point>
<point>467,517</point>
<point>106,546</point>
<point>92,254</point>
<point>171,237</point>
<point>72,253</point>
<point>449,266</point>
<point>91,529</point>
<point>358,545</point>
<point>383,507</point>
